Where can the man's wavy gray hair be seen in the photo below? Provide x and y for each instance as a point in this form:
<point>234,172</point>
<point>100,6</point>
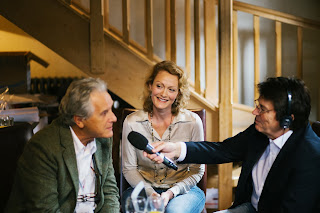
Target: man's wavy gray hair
<point>76,101</point>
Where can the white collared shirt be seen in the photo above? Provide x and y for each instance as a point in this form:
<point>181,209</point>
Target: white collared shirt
<point>85,172</point>
<point>186,126</point>
<point>262,167</point>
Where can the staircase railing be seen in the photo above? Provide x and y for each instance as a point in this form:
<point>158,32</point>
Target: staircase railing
<point>279,18</point>
<point>203,36</point>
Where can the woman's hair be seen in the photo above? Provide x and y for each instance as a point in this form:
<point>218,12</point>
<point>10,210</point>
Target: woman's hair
<point>276,90</point>
<point>76,101</point>
<point>183,91</point>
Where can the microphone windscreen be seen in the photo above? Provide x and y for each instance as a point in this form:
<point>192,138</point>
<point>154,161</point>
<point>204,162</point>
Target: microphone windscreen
<point>137,140</point>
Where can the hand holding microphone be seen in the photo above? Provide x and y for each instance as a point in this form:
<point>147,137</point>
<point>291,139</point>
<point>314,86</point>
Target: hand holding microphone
<point>140,142</point>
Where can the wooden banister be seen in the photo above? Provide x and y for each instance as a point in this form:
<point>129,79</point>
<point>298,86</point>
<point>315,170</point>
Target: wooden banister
<point>276,15</point>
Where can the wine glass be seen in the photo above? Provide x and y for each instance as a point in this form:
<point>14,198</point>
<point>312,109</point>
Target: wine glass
<point>137,205</point>
<point>155,204</point>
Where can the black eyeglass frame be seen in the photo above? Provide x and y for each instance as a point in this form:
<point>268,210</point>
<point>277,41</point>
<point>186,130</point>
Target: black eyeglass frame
<point>260,110</point>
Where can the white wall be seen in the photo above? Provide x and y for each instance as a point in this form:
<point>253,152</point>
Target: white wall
<point>311,48</point>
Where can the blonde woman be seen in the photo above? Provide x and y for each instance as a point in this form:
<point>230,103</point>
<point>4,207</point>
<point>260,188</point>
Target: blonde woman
<point>164,118</point>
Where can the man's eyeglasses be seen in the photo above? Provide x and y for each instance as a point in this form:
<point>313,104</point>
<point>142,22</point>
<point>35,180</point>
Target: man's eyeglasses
<point>90,197</point>
<point>260,109</point>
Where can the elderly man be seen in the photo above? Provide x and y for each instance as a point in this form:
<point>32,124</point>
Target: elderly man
<point>280,153</point>
<point>67,166</point>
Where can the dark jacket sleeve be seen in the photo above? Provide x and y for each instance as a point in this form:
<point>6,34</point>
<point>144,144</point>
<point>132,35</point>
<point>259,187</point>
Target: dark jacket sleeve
<point>230,150</point>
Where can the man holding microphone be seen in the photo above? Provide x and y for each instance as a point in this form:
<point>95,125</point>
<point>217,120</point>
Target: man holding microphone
<point>280,153</point>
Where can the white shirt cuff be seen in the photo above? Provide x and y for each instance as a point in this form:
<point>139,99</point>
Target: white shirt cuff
<point>183,152</point>
<point>175,191</point>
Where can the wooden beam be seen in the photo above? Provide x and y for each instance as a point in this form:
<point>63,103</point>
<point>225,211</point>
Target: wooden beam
<point>256,37</point>
<point>173,31</point>
<point>125,21</point>
<point>235,56</point>
<point>197,73</point>
<point>278,49</point>
<point>299,52</point>
<point>187,37</point>
<point>31,56</point>
<point>96,38</point>
<point>225,98</point>
<point>149,28</point>
<point>210,39</point>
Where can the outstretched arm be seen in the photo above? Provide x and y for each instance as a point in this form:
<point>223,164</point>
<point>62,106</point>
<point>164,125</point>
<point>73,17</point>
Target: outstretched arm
<point>169,149</point>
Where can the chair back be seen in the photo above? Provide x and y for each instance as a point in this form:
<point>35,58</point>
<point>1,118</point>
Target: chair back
<point>202,184</point>
<point>123,182</point>
<point>13,140</point>
<point>316,127</point>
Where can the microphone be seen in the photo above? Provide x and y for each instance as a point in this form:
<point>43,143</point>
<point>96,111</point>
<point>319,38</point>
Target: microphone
<point>141,142</point>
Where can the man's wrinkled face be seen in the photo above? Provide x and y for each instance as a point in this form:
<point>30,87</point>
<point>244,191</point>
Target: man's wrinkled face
<point>100,123</point>
<point>265,121</point>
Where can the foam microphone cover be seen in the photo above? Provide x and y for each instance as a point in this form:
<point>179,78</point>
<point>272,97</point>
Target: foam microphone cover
<point>137,140</point>
<point>141,142</point>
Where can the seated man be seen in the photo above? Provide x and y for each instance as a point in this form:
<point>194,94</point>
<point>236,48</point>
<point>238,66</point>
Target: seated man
<point>67,166</point>
<point>280,152</point>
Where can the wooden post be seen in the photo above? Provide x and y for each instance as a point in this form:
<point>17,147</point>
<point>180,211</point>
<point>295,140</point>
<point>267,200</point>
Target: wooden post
<point>168,29</point>
<point>125,21</point>
<point>210,39</point>
<point>225,98</point>
<point>96,38</point>
<point>299,52</point>
<point>278,49</point>
<point>173,33</point>
<point>235,56</point>
<point>187,36</point>
<point>256,36</point>
<point>149,28</point>
<point>197,84</point>
<point>106,14</point>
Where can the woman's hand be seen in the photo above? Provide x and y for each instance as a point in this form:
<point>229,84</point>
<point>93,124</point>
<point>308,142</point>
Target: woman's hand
<point>166,196</point>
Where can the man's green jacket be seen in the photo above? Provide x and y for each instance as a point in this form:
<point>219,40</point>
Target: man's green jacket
<point>47,175</point>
